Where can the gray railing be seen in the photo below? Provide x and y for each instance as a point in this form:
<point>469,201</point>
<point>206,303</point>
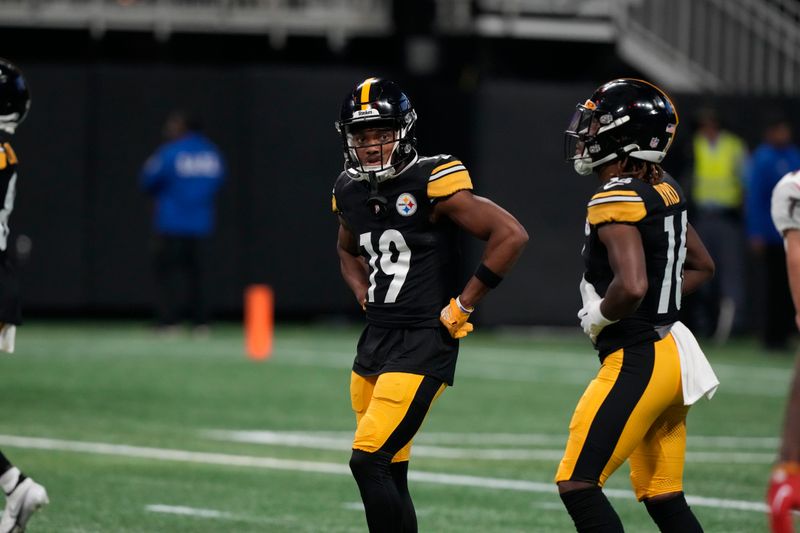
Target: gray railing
<point>335,19</point>
<point>723,46</point>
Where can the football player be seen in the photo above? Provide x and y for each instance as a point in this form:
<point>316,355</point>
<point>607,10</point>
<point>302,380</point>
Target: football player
<point>23,494</point>
<point>640,255</point>
<point>399,219</point>
<point>783,494</point>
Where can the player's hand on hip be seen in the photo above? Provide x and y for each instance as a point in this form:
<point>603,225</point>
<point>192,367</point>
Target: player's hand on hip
<point>592,319</point>
<point>454,317</point>
<point>783,496</point>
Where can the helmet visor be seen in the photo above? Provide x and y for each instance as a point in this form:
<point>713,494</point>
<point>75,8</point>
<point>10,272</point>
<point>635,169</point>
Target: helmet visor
<point>579,133</point>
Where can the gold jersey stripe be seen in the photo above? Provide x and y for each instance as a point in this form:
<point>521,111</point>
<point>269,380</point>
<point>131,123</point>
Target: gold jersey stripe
<point>334,207</point>
<point>446,165</point>
<point>668,193</point>
<point>12,157</point>
<point>365,92</point>
<point>614,193</point>
<point>616,212</point>
<point>449,184</point>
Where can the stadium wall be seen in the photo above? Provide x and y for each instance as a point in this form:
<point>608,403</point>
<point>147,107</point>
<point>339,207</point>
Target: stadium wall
<point>92,126</point>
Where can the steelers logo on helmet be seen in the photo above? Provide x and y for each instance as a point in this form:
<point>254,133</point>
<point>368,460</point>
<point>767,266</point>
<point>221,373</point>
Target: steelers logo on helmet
<point>623,118</point>
<point>377,124</point>
<point>406,204</point>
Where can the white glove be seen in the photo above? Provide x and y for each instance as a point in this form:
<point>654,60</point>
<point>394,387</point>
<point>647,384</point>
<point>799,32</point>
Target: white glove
<point>592,319</point>
<point>588,293</point>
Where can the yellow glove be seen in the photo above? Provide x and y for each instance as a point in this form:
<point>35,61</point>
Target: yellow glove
<point>454,316</point>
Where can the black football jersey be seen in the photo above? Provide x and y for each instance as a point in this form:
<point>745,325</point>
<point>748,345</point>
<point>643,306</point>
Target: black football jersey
<point>8,187</point>
<point>659,212</point>
<point>412,261</point>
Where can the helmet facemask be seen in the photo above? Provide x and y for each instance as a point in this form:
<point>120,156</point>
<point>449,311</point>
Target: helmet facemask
<point>588,132</point>
<point>377,145</point>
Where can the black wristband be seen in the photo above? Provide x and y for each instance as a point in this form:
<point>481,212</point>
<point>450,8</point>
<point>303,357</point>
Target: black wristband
<point>487,277</point>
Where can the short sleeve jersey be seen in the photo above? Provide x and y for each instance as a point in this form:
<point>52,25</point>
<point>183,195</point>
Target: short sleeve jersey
<point>8,188</point>
<point>659,213</point>
<point>411,259</point>
<point>785,207</point>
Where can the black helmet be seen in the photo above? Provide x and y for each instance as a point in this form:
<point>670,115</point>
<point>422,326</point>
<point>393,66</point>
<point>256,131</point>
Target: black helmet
<point>15,100</point>
<point>623,118</point>
<point>377,103</point>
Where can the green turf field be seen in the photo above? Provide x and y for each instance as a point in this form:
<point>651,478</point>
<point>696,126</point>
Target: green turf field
<point>135,433</point>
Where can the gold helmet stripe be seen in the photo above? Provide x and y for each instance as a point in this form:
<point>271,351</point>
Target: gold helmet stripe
<point>365,87</point>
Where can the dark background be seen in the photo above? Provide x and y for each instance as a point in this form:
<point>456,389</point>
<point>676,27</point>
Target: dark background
<point>98,106</point>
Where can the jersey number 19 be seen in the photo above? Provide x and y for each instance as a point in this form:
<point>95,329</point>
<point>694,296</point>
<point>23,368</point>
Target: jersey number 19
<point>393,262</point>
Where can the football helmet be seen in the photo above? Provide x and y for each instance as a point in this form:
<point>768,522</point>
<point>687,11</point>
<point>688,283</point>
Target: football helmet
<point>623,118</point>
<point>377,103</point>
<point>15,100</point>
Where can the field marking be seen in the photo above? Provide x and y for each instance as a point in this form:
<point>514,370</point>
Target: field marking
<point>197,512</point>
<point>226,459</point>
<point>534,439</point>
<point>187,511</point>
<point>353,506</point>
<point>343,443</point>
<point>736,380</point>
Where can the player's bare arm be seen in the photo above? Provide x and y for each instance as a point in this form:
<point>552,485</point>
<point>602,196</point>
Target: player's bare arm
<point>505,237</point>
<point>627,261</point>
<point>698,267</point>
<point>354,270</point>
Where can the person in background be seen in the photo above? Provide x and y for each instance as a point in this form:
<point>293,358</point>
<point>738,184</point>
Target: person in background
<point>183,177</point>
<point>771,160</point>
<point>717,192</point>
<point>783,494</point>
<point>23,495</point>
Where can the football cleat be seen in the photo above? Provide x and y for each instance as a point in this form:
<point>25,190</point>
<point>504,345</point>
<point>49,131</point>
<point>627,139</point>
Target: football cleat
<point>783,496</point>
<point>26,498</point>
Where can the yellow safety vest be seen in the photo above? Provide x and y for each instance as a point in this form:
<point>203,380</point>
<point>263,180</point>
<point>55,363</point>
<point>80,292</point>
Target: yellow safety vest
<point>717,170</point>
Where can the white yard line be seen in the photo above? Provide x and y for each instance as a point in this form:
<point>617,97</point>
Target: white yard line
<point>512,439</point>
<point>225,459</point>
<point>197,512</point>
<point>737,380</point>
<point>186,511</point>
<point>343,443</point>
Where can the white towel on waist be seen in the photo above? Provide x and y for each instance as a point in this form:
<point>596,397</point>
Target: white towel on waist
<point>697,376</point>
<point>8,333</point>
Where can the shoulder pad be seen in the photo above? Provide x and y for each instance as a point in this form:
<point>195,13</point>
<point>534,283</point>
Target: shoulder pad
<point>785,203</point>
<point>8,158</point>
<point>448,175</point>
<point>616,201</point>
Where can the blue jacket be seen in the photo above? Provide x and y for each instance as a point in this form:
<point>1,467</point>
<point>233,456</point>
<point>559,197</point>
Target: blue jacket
<point>184,176</point>
<point>767,166</point>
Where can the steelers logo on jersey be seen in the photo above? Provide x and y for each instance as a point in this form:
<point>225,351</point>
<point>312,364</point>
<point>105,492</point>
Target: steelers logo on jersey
<point>406,204</point>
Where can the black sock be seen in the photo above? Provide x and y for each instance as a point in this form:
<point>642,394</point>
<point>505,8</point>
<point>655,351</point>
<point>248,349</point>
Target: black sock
<point>673,515</point>
<point>382,501</point>
<point>591,511</point>
<point>400,477</point>
<point>5,464</point>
